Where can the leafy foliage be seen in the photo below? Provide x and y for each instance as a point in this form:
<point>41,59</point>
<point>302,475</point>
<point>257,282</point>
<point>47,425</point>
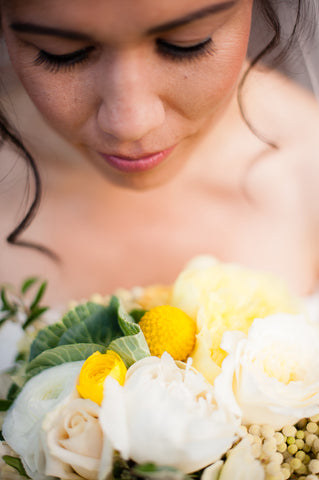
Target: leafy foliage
<point>85,329</point>
<point>13,392</point>
<point>62,354</point>
<point>100,327</point>
<point>5,405</point>
<point>132,346</point>
<point>52,336</point>
<point>15,463</point>
<point>129,470</point>
<point>14,303</point>
<point>47,338</point>
<point>137,314</point>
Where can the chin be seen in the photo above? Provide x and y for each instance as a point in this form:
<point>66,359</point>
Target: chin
<point>137,181</point>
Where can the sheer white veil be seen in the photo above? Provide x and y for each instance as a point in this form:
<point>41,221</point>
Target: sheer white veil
<point>309,50</point>
<point>302,60</point>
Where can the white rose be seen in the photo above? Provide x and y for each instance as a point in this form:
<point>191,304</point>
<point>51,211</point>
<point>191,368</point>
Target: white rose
<point>21,426</point>
<point>73,442</point>
<point>166,414</point>
<point>240,465</point>
<point>275,370</point>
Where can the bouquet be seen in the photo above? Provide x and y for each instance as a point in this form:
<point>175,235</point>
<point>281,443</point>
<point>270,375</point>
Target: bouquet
<point>214,377</point>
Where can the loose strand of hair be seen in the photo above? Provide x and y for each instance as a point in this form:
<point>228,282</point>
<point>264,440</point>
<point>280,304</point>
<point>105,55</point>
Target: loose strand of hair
<point>7,134</point>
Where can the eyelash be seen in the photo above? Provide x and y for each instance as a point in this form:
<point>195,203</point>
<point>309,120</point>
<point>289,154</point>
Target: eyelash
<point>179,54</point>
<point>57,63</point>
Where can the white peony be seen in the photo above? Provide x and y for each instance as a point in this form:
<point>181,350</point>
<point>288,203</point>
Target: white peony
<point>22,424</point>
<point>275,370</point>
<point>166,414</point>
<point>73,442</point>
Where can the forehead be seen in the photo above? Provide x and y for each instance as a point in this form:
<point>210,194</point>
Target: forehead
<point>103,10</point>
<point>124,16</point>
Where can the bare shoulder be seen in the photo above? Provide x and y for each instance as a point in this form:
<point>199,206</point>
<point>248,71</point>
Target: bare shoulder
<point>286,111</point>
<point>288,115</point>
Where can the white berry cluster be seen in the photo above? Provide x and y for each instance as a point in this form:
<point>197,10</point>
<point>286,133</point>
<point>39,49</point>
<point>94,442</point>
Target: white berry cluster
<point>291,453</point>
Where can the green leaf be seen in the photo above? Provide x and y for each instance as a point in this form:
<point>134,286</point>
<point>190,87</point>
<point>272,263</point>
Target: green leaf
<point>120,468</point>
<point>35,313</point>
<point>21,357</point>
<point>5,301</point>
<point>62,354</point>
<point>28,283</point>
<point>13,392</point>
<point>132,346</point>
<point>15,463</point>
<point>51,336</point>
<point>1,437</point>
<point>47,338</point>
<point>101,327</point>
<point>126,322</point>
<point>137,314</point>
<point>5,405</point>
<point>150,471</point>
<point>39,295</point>
<point>94,327</point>
<point>80,313</point>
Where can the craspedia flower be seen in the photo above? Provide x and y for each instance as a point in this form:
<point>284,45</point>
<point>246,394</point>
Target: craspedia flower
<point>94,371</point>
<point>169,329</point>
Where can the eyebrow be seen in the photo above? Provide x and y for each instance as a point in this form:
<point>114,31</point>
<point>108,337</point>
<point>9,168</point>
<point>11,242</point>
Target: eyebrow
<point>33,28</point>
<point>198,14</point>
<point>26,27</point>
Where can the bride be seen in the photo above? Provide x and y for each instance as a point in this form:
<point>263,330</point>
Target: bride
<point>157,138</point>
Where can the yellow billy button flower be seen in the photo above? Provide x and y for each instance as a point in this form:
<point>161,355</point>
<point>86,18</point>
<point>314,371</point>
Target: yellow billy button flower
<point>169,329</point>
<point>94,371</point>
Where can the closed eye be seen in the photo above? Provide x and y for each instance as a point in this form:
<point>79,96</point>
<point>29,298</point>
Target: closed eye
<point>55,63</point>
<point>180,53</point>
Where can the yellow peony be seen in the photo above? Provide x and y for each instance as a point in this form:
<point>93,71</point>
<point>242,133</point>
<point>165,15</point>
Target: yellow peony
<point>225,297</point>
<point>94,371</point>
<point>169,329</point>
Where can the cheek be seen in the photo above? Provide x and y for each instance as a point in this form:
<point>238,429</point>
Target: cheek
<point>69,100</point>
<point>64,102</point>
<point>208,88</point>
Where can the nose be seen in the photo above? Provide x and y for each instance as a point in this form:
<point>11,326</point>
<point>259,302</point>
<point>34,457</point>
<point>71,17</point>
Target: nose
<point>130,106</point>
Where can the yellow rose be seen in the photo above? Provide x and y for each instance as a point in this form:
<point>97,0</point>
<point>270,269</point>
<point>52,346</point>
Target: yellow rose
<point>94,371</point>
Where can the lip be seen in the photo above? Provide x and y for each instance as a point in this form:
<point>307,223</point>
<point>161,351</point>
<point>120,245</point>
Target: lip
<point>134,164</point>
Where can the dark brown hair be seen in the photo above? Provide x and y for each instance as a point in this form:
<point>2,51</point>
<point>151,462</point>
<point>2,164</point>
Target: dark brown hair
<point>10,135</point>
<point>274,45</point>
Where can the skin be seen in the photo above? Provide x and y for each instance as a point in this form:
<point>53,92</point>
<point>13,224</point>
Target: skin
<point>127,98</point>
<point>221,191</point>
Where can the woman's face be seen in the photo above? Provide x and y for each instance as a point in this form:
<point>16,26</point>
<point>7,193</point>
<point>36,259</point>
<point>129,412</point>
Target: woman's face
<point>136,84</point>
